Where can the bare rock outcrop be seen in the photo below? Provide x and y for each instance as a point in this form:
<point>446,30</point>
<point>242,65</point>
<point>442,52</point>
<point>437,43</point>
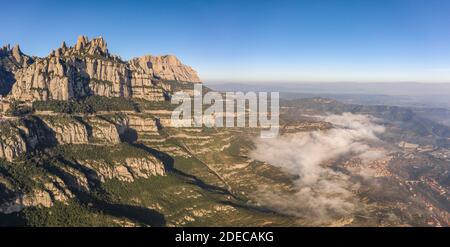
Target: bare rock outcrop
<point>67,130</point>
<point>96,46</point>
<point>37,198</point>
<point>143,125</point>
<point>48,78</point>
<point>19,136</point>
<point>12,144</point>
<point>166,67</point>
<point>145,167</point>
<point>53,190</point>
<point>103,131</point>
<point>78,180</point>
<point>89,69</point>
<point>126,171</point>
<point>11,60</point>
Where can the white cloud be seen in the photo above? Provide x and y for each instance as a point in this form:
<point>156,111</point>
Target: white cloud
<point>321,193</point>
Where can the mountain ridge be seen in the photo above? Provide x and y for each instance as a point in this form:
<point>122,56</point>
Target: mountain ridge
<point>87,69</point>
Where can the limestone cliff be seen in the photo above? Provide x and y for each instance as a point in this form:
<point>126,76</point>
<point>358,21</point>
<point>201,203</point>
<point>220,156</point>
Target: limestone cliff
<point>135,126</point>
<point>67,130</point>
<point>89,69</point>
<point>166,68</point>
<point>127,171</point>
<point>103,131</point>
<point>11,60</point>
<point>55,156</point>
<point>54,190</point>
<point>31,133</point>
<point>12,143</point>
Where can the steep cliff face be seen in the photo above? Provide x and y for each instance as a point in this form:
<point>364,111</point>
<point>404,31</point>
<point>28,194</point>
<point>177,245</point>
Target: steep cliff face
<point>48,78</point>
<point>89,69</point>
<point>22,135</point>
<point>12,143</point>
<point>145,167</point>
<point>11,60</point>
<point>82,130</point>
<point>45,171</point>
<point>67,130</point>
<point>103,131</point>
<point>54,190</point>
<point>132,127</point>
<point>132,168</point>
<point>59,178</point>
<point>31,133</point>
<point>166,68</point>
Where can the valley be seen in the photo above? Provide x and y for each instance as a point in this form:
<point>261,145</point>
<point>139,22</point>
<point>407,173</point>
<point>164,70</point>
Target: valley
<point>86,139</point>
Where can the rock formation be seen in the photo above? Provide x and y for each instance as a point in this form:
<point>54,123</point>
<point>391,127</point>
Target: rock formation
<point>12,144</point>
<point>89,69</point>
<point>166,67</point>
<point>145,167</point>
<point>54,190</point>
<point>30,139</point>
<point>127,171</point>
<point>18,137</point>
<point>103,131</point>
<point>144,126</point>
<point>67,130</point>
<point>11,60</point>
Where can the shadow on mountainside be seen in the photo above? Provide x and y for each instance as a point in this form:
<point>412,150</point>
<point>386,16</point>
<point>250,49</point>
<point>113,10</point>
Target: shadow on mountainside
<point>169,165</point>
<point>6,81</point>
<point>141,215</point>
<point>41,135</point>
<point>168,162</point>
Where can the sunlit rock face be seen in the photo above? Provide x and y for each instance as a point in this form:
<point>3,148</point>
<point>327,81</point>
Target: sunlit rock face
<point>12,144</point>
<point>11,60</point>
<point>89,69</point>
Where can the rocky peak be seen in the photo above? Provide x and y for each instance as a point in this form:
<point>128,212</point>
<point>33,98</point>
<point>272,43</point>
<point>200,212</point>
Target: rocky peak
<point>167,67</point>
<point>17,53</point>
<point>81,42</point>
<point>96,46</point>
<point>87,68</point>
<point>60,51</point>
<point>5,50</point>
<point>13,59</point>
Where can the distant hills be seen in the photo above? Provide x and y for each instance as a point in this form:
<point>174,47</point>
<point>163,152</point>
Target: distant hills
<point>435,95</point>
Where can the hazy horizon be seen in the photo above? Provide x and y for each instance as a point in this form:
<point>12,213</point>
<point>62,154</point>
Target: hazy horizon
<point>394,88</point>
<point>262,82</point>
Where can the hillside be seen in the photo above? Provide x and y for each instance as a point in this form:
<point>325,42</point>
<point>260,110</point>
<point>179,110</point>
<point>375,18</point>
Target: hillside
<point>86,140</point>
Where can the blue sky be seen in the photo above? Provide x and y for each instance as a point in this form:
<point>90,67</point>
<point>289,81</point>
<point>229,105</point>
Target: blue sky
<point>253,41</point>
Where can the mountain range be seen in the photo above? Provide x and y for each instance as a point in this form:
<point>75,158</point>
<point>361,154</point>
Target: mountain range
<point>85,69</point>
<point>86,140</point>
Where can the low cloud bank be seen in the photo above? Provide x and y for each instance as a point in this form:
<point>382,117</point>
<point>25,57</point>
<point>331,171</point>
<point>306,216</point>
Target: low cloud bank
<point>321,193</point>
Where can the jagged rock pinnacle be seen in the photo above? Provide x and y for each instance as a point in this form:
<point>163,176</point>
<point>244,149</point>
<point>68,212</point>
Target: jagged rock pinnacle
<point>81,42</point>
<point>88,69</point>
<point>5,49</point>
<point>17,53</point>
